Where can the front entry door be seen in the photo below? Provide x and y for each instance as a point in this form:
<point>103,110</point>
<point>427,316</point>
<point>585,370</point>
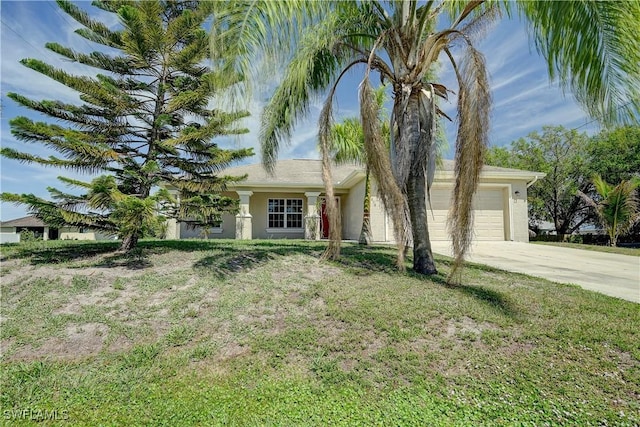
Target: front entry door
<point>324,219</point>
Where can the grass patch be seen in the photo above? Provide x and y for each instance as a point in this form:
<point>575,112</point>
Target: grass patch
<point>262,333</point>
<point>597,248</point>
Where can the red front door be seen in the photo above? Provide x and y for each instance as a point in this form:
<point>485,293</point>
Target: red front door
<point>324,219</point>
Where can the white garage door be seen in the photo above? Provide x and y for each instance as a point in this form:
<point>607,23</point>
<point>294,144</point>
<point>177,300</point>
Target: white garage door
<point>488,215</point>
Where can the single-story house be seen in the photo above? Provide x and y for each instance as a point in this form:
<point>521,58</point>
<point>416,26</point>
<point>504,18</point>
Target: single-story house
<point>289,204</point>
<point>10,231</point>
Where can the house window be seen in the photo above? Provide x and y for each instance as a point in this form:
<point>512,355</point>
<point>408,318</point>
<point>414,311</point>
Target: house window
<point>285,213</point>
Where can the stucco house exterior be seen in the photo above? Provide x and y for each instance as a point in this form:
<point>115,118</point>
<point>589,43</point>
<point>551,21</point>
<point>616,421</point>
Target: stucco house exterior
<point>288,204</point>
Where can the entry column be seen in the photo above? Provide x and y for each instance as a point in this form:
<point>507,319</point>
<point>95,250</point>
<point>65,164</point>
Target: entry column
<point>244,218</point>
<point>312,219</point>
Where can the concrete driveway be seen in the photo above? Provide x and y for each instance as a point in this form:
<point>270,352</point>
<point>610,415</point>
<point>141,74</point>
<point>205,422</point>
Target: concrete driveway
<point>610,274</point>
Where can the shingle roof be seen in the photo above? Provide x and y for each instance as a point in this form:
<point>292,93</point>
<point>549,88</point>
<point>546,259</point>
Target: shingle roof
<point>298,171</point>
<point>309,172</point>
<point>27,221</point>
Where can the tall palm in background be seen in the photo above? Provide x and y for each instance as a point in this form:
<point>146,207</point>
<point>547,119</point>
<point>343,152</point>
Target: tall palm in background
<point>591,47</point>
<point>347,146</point>
<point>616,206</point>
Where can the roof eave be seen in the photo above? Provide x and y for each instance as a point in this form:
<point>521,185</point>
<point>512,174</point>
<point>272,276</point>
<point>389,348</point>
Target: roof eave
<point>503,175</point>
<point>283,187</point>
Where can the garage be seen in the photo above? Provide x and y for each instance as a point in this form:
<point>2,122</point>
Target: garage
<point>489,214</point>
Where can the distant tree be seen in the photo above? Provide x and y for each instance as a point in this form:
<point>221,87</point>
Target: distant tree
<point>614,154</point>
<point>616,206</point>
<point>561,154</point>
<point>146,119</point>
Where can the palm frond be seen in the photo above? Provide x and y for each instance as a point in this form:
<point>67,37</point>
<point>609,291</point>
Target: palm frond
<point>347,142</point>
<point>320,61</point>
<point>347,139</point>
<point>380,165</point>
<point>593,48</point>
<point>474,101</point>
<point>331,206</point>
<point>246,33</point>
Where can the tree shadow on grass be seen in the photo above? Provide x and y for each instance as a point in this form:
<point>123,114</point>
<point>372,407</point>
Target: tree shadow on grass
<point>359,260</point>
<point>496,300</point>
<point>135,259</point>
<point>230,256</point>
<point>63,252</point>
<point>232,261</point>
<point>364,260</point>
<point>237,257</point>
<point>41,253</point>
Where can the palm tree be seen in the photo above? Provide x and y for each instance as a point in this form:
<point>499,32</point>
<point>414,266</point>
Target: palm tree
<point>589,45</point>
<point>347,146</point>
<point>616,206</point>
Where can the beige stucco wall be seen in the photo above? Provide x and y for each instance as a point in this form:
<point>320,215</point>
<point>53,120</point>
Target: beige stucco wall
<point>258,208</point>
<point>173,229</point>
<point>378,218</point>
<point>226,231</point>
<point>520,212</point>
<point>352,212</point>
<point>77,236</point>
<point>72,233</point>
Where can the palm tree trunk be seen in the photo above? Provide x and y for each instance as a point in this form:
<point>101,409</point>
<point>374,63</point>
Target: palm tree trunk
<point>129,242</point>
<point>423,261</point>
<point>414,161</point>
<point>365,232</point>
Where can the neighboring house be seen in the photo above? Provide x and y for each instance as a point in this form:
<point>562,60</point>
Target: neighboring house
<point>289,204</point>
<point>546,228</point>
<point>10,231</point>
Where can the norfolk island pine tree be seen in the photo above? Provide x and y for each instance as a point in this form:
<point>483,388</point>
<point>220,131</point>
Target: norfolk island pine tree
<point>146,119</point>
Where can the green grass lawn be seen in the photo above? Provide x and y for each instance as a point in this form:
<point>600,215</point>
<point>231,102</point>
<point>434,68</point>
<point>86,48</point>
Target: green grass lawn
<point>598,248</point>
<point>257,333</point>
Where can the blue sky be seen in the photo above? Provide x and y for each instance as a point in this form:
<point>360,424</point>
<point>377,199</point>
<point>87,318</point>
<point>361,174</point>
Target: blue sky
<point>524,100</point>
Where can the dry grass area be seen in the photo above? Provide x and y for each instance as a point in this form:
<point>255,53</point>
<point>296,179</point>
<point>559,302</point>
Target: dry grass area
<point>263,333</point>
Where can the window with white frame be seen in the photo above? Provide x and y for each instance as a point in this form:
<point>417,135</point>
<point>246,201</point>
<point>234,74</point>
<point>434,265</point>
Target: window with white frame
<point>284,213</point>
